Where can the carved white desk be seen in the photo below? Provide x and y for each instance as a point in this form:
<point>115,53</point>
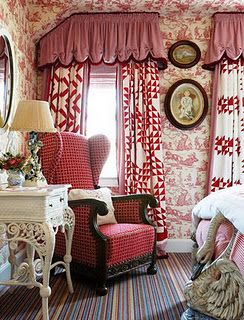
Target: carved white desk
<point>34,215</point>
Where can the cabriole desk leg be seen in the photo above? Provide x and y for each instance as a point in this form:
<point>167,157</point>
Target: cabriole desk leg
<point>69,224</point>
<point>45,290</point>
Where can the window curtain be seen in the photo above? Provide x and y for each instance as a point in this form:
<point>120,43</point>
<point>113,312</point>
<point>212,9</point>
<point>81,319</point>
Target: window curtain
<point>103,37</point>
<point>65,51</point>
<point>140,153</point>
<point>225,57</point>
<point>67,93</point>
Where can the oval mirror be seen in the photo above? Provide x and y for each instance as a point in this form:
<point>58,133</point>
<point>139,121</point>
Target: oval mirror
<point>6,77</point>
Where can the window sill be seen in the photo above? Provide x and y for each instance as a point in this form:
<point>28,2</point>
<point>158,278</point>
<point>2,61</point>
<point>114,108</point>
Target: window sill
<point>108,182</point>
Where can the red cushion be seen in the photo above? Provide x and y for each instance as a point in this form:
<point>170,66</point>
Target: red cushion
<point>137,240</point>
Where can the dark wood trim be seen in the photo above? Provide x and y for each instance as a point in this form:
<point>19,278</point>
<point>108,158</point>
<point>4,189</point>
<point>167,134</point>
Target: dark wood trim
<point>167,104</point>
<point>186,43</point>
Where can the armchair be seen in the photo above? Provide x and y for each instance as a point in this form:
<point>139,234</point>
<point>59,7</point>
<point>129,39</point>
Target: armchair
<point>98,251</point>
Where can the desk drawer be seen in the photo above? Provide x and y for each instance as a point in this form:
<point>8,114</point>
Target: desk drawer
<point>57,201</point>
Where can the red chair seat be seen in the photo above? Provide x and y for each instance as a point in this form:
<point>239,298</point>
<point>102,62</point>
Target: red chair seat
<point>137,239</point>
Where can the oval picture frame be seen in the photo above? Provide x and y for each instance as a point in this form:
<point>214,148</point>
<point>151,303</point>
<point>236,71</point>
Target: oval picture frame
<point>186,104</point>
<point>184,54</point>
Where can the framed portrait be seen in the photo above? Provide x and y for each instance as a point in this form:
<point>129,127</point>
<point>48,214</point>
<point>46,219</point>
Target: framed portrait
<point>186,104</point>
<point>184,54</point>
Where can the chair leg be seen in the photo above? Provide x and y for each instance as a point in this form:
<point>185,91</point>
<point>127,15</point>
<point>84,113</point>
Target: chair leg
<point>102,290</point>
<point>152,269</point>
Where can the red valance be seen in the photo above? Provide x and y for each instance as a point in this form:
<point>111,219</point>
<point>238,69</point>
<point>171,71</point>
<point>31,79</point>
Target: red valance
<point>227,38</point>
<point>103,37</point>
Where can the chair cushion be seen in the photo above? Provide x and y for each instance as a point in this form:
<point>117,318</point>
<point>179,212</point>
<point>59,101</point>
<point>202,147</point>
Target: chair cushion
<point>127,241</point>
<point>103,194</point>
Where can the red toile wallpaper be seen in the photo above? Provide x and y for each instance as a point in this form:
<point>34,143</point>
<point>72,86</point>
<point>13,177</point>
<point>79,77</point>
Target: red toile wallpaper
<point>185,152</point>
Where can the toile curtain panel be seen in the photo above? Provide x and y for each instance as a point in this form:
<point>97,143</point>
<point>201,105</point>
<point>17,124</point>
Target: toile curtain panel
<point>228,138</point>
<point>140,153</point>
<point>67,96</point>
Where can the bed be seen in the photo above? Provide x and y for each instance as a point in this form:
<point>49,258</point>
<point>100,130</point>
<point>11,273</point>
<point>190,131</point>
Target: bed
<point>217,290</point>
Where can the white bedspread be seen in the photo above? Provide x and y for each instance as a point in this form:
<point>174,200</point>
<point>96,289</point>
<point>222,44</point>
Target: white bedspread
<point>229,201</point>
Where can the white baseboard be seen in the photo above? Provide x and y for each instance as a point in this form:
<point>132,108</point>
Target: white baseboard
<point>5,270</point>
<point>179,245</point>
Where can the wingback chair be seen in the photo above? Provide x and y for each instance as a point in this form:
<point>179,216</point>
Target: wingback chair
<point>107,250</point>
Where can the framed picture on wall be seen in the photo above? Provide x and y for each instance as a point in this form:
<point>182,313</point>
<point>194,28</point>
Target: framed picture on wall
<point>186,104</point>
<point>184,54</point>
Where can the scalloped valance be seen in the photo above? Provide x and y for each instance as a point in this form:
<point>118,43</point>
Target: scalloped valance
<point>103,37</point>
<point>226,39</point>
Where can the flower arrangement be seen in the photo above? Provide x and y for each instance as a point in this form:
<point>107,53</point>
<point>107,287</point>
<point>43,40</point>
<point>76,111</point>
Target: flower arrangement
<point>11,162</point>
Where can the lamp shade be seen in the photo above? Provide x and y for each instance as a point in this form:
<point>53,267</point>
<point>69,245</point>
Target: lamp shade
<point>33,115</point>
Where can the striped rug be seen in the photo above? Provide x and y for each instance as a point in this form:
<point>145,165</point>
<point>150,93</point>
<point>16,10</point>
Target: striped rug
<point>135,296</point>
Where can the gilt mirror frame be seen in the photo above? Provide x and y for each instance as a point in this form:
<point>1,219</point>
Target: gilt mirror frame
<point>10,79</point>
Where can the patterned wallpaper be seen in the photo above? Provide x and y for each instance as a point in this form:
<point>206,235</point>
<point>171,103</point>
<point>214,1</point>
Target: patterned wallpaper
<point>13,18</point>
<point>186,152</point>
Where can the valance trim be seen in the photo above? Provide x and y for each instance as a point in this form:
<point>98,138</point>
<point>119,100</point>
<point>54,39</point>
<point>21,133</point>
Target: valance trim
<point>226,39</point>
<point>103,37</point>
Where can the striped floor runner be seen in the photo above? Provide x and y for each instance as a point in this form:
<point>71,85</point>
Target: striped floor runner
<point>135,296</point>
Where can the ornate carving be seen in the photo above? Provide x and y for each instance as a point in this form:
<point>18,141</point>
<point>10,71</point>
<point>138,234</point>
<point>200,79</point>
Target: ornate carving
<point>219,290</point>
<point>33,233</point>
<point>69,218</point>
<point>129,265</point>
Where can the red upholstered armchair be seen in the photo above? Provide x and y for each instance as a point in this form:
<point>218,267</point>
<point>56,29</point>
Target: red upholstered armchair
<point>107,250</point>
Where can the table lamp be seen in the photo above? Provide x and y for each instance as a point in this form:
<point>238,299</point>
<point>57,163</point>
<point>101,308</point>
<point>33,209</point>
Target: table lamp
<point>33,116</point>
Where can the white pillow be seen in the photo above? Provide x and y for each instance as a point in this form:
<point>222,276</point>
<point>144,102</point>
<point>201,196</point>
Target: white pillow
<point>103,194</point>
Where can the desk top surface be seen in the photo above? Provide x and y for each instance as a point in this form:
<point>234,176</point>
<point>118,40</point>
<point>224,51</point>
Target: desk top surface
<point>35,191</point>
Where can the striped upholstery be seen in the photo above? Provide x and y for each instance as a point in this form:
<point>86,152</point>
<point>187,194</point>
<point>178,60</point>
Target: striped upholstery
<point>223,237</point>
<point>72,158</point>
<point>237,253</point>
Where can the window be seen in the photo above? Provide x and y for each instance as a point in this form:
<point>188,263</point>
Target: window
<point>101,114</point>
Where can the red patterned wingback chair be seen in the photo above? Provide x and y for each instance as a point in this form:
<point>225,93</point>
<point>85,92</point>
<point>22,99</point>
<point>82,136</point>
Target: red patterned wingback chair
<point>107,250</point>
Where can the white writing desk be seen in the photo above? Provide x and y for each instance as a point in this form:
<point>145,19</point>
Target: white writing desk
<point>34,215</point>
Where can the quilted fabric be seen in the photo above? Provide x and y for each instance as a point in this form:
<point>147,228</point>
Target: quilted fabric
<point>142,162</point>
<point>84,245</point>
<point>50,153</point>
<point>127,241</point>
<point>74,167</point>
<point>99,147</point>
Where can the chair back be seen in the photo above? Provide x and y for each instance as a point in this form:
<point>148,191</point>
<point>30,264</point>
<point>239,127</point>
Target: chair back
<point>71,158</point>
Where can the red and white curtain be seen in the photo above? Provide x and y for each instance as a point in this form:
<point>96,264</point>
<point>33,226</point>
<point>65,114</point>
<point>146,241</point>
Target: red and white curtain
<point>67,94</point>
<point>227,161</point>
<point>141,151</point>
